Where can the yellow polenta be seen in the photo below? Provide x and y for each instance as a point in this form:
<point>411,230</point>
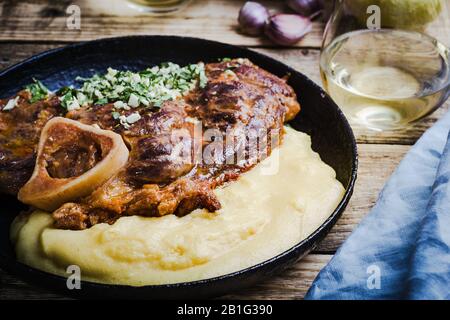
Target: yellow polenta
<point>265,212</point>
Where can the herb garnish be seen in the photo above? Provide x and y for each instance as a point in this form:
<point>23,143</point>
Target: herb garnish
<point>127,89</point>
<point>150,87</point>
<point>38,91</point>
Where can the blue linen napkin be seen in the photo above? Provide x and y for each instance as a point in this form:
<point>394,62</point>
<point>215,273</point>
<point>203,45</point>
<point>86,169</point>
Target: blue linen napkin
<point>401,250</point>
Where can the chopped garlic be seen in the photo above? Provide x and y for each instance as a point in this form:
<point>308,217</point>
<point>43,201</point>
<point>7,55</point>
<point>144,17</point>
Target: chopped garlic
<point>123,122</point>
<point>127,121</point>
<point>111,75</point>
<point>112,72</point>
<point>145,81</point>
<point>118,89</point>
<point>150,87</point>
<point>98,94</point>
<point>144,101</point>
<point>73,104</point>
<point>121,105</point>
<point>133,101</point>
<point>135,78</point>
<point>82,99</point>
<point>12,103</point>
<point>134,117</point>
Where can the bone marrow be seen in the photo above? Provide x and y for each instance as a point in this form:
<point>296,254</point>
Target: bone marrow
<point>71,153</point>
<point>73,159</point>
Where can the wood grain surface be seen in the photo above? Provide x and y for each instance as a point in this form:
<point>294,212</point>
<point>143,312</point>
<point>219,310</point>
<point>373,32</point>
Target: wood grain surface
<point>32,26</point>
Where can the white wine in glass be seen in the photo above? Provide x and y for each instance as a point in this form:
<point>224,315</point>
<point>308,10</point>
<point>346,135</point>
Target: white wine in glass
<point>384,78</point>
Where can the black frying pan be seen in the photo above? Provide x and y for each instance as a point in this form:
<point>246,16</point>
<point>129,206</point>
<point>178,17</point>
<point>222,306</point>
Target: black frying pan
<point>320,117</point>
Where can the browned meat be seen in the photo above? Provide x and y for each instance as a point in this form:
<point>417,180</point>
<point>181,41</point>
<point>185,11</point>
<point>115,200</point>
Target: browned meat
<point>19,134</point>
<point>151,159</point>
<point>164,174</point>
<point>239,97</point>
<point>153,183</point>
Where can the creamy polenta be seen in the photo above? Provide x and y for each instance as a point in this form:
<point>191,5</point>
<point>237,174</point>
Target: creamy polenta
<point>265,212</point>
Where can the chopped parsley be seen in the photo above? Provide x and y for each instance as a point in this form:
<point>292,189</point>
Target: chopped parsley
<point>68,98</point>
<point>150,87</point>
<point>127,89</point>
<point>37,90</point>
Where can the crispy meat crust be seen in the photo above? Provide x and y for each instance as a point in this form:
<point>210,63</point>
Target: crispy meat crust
<point>20,129</point>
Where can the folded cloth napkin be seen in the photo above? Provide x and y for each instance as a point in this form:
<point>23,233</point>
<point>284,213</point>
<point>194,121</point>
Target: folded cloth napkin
<point>401,250</point>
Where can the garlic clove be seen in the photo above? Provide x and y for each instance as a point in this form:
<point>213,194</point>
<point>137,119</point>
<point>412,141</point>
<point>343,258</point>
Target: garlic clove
<point>253,17</point>
<point>305,7</point>
<point>287,29</point>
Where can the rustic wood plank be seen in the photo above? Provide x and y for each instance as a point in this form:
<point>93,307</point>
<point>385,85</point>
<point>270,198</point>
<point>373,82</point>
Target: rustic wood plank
<point>382,159</point>
<point>293,283</point>
<point>303,60</point>
<point>39,20</point>
<point>12,53</point>
<point>12,288</point>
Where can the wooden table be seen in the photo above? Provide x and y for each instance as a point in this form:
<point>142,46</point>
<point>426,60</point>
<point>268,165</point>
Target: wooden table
<point>31,26</point>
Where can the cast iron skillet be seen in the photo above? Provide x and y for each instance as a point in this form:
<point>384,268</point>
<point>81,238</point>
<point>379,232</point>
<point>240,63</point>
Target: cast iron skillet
<point>320,117</point>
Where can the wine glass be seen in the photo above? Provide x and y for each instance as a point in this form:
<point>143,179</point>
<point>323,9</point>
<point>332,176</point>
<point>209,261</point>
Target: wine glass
<point>386,62</point>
